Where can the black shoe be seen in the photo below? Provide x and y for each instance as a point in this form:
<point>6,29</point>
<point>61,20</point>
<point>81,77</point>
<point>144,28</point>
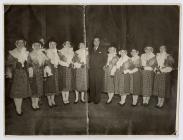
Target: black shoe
<point>67,103</point>
<point>145,105</point>
<point>54,105</point>
<point>50,106</point>
<point>121,104</point>
<point>109,102</point>
<point>133,105</point>
<point>83,101</point>
<point>19,114</point>
<point>75,102</point>
<point>38,108</point>
<point>34,109</point>
<point>159,107</point>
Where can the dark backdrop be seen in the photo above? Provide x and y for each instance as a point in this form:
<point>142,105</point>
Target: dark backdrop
<point>135,26</point>
<point>50,22</point>
<point>126,26</point>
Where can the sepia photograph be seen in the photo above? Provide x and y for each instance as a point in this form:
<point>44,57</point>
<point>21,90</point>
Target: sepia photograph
<point>91,69</point>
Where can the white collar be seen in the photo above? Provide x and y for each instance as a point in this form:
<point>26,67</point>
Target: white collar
<point>20,55</point>
<point>53,56</point>
<point>122,60</point>
<point>135,57</point>
<point>38,57</point>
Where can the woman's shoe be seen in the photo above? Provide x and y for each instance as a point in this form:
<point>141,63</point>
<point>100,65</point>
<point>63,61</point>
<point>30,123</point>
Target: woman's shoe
<point>133,105</point>
<point>109,102</point>
<point>50,106</point>
<point>19,114</point>
<point>54,105</point>
<point>159,107</point>
<point>76,101</point>
<point>83,101</point>
<point>34,109</point>
<point>121,104</point>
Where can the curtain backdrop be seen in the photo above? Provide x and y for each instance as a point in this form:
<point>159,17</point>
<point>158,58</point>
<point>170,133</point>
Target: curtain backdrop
<point>125,26</point>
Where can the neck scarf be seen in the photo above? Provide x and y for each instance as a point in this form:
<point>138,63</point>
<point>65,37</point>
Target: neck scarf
<point>53,56</point>
<point>21,55</point>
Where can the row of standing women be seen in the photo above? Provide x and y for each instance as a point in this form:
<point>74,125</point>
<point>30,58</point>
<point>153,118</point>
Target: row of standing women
<point>53,71</point>
<point>146,75</point>
<point>49,71</point>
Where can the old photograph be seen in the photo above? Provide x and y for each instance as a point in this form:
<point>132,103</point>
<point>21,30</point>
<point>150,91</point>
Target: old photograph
<point>91,69</point>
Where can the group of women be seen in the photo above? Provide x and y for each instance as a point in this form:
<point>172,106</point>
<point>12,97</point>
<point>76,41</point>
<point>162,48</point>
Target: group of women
<point>51,72</point>
<point>146,75</point>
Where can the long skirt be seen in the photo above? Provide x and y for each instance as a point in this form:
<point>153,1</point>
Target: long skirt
<point>147,82</point>
<point>51,83</point>
<point>20,87</point>
<point>108,81</point>
<point>136,83</point>
<point>121,83</point>
<point>81,79</point>
<point>162,85</point>
<point>60,78</point>
<point>36,82</point>
<point>65,78</point>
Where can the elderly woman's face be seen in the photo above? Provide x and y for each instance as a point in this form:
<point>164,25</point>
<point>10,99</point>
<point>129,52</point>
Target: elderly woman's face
<point>52,45</point>
<point>122,53</point>
<point>42,40</point>
<point>96,42</point>
<point>81,46</point>
<point>68,44</point>
<point>148,50</point>
<point>112,50</point>
<point>36,46</point>
<point>20,44</point>
<point>134,52</point>
<point>162,49</point>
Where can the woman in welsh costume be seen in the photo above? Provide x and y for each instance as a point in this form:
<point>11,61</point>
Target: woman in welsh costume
<point>108,76</point>
<point>66,55</point>
<point>51,73</point>
<point>36,62</point>
<point>17,70</point>
<point>122,77</point>
<point>162,85</point>
<point>148,61</point>
<point>81,72</point>
<point>135,76</point>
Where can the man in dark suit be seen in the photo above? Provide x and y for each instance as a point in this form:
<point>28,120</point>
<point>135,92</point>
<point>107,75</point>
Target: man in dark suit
<point>98,59</point>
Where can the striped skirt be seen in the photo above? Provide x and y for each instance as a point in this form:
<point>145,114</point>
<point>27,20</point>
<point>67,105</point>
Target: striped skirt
<point>51,83</point>
<point>108,81</point>
<point>65,75</point>
<point>136,83</point>
<point>81,79</point>
<point>20,87</point>
<point>162,85</point>
<point>121,83</point>
<point>147,82</point>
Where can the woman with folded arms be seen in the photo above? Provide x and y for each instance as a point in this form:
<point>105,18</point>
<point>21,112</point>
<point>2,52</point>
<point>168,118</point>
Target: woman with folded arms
<point>81,72</point>
<point>66,55</point>
<point>17,70</point>
<point>112,59</point>
<point>51,73</point>
<point>162,85</point>
<point>135,76</point>
<point>122,77</point>
<point>148,61</point>
<point>36,62</point>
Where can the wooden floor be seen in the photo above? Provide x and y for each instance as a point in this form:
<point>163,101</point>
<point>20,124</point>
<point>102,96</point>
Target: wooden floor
<point>102,118</point>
